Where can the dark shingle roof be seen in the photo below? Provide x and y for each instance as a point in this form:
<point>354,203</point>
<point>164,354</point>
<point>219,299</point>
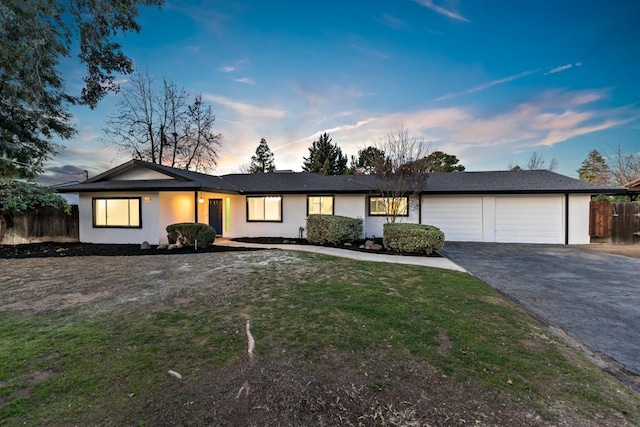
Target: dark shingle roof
<point>523,181</point>
<point>498,182</point>
<point>296,182</point>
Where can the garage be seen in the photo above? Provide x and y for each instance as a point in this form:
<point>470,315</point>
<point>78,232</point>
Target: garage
<point>501,218</point>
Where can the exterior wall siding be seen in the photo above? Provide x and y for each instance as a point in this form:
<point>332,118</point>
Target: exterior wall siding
<point>139,174</point>
<point>579,219</point>
<point>174,207</point>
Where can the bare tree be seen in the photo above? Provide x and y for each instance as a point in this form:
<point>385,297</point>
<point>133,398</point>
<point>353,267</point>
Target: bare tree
<point>400,173</point>
<point>199,151</point>
<point>623,167</point>
<point>536,162</point>
<point>160,126</point>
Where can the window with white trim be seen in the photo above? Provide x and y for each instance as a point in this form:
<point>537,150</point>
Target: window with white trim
<point>320,205</point>
<point>264,208</point>
<point>123,212</point>
<point>385,206</point>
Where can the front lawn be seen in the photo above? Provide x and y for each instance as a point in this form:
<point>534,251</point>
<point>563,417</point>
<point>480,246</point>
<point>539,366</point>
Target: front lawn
<point>91,341</point>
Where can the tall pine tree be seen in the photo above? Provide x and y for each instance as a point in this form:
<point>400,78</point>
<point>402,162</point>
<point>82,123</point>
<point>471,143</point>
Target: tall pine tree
<point>595,169</point>
<point>325,158</point>
<point>262,161</point>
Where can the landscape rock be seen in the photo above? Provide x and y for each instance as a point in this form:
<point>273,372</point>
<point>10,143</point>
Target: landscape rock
<point>176,246</point>
<point>145,245</point>
<point>368,244</point>
<point>376,247</point>
<point>361,246</point>
<point>347,244</point>
<point>162,246</point>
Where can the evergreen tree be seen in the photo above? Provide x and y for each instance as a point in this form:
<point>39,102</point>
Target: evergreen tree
<point>595,169</point>
<point>439,161</point>
<point>262,161</point>
<point>369,160</point>
<point>325,158</point>
<point>35,38</point>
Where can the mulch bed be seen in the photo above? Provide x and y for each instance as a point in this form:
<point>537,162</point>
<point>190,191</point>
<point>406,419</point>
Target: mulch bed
<point>62,250</point>
<point>72,249</point>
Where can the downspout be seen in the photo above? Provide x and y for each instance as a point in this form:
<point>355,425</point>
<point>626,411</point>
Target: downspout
<point>566,218</point>
<point>195,205</point>
<point>420,208</point>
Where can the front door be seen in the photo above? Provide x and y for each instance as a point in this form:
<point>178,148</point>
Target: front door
<point>215,215</point>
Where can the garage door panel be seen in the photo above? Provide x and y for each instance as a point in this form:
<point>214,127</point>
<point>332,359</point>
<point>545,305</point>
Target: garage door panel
<point>529,220</point>
<point>460,218</point>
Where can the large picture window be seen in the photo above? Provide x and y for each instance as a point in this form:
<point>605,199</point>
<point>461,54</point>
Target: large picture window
<point>117,212</point>
<point>384,206</point>
<point>264,208</point>
<point>320,205</point>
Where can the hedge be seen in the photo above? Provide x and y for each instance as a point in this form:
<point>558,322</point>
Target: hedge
<point>333,229</point>
<point>188,232</point>
<point>412,238</point>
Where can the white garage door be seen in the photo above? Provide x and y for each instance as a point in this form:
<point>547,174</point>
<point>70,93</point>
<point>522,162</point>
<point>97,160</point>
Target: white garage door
<point>533,219</point>
<point>460,218</point>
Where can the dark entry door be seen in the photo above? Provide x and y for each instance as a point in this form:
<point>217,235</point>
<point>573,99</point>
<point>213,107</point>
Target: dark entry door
<point>215,215</point>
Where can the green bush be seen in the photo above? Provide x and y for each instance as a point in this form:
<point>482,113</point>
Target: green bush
<point>188,232</point>
<point>333,229</point>
<point>412,238</point>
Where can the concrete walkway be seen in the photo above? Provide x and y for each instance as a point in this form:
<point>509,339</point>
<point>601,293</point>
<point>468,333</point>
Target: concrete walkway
<point>436,262</point>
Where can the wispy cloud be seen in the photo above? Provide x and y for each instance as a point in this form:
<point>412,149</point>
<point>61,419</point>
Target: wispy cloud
<point>487,85</point>
<point>391,22</point>
<point>234,65</point>
<point>245,80</point>
<point>441,10</point>
<point>370,51</point>
<point>245,109</point>
<point>562,68</point>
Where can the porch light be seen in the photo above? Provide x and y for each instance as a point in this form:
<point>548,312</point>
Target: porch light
<point>201,200</point>
<point>147,198</point>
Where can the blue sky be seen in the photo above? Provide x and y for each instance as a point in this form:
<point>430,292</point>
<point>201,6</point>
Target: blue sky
<point>489,81</point>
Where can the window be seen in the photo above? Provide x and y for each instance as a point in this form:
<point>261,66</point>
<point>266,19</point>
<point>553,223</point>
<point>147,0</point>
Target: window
<point>117,212</point>
<point>383,206</point>
<point>267,208</point>
<point>320,205</point>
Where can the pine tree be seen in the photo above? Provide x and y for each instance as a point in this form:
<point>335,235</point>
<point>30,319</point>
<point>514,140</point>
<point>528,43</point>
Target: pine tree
<point>325,158</point>
<point>595,169</point>
<point>262,161</point>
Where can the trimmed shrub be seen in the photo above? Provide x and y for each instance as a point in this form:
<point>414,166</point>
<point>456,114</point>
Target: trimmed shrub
<point>412,238</point>
<point>186,233</point>
<point>333,229</point>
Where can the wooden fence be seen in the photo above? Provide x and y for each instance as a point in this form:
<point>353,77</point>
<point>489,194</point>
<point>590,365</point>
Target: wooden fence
<point>618,223</point>
<point>46,224</point>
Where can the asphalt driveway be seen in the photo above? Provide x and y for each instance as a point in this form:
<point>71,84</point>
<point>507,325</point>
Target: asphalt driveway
<point>592,296</point>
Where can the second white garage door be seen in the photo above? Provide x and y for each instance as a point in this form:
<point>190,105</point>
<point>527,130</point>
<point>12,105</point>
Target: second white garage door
<point>529,219</point>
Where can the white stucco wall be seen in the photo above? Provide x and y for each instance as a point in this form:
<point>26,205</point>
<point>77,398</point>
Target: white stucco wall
<point>149,210</point>
<point>579,219</point>
<point>139,173</point>
<point>294,215</point>
<point>374,224</point>
<point>294,211</point>
<point>174,207</point>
